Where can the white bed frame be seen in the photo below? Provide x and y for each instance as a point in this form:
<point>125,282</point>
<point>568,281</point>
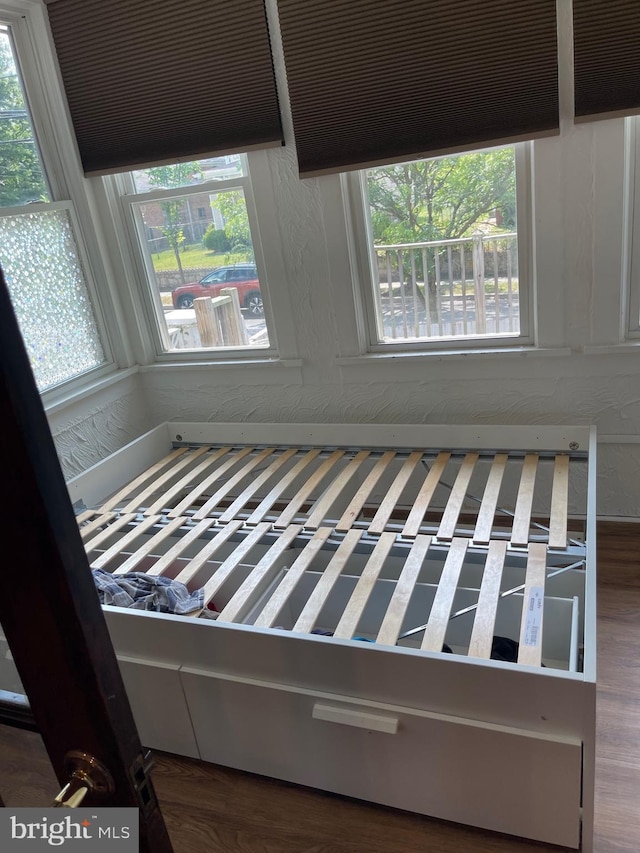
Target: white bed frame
<point>405,536</point>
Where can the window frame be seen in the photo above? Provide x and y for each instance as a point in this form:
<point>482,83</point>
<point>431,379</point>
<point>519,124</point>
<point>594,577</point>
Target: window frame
<point>57,151</point>
<point>363,251</point>
<point>124,198</point>
<point>632,222</point>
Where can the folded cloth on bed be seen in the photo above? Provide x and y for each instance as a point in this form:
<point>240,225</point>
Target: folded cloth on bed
<point>146,592</point>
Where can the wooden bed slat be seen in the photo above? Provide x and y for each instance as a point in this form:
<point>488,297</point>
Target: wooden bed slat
<point>360,498</point>
<point>425,495</point>
<point>101,537</point>
<point>287,585</point>
<point>151,472</point>
<point>233,481</point>
<point>352,613</point>
<point>224,571</point>
<point>123,543</point>
<point>256,484</point>
<point>441,609</point>
<point>155,485</point>
<point>267,502</point>
<point>524,501</point>
<point>456,498</point>
<point>205,553</point>
<point>485,618</point>
<point>163,563</point>
<point>287,516</point>
<point>203,485</point>
<point>559,503</point>
<point>530,650</point>
<point>86,515</point>
<point>327,500</point>
<point>392,497</point>
<point>164,501</point>
<point>486,514</point>
<point>94,525</point>
<point>148,547</point>
<point>310,612</point>
<point>394,617</point>
<point>260,577</point>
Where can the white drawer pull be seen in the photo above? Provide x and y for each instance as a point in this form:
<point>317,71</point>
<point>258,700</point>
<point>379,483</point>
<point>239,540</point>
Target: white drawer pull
<point>360,719</point>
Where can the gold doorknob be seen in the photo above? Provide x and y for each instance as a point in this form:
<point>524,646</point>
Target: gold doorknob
<point>87,774</point>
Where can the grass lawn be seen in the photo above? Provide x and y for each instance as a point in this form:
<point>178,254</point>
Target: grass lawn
<point>194,257</point>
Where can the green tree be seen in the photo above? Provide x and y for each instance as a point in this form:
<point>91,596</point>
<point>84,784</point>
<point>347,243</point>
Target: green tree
<point>21,177</point>
<point>233,208</point>
<point>440,199</point>
<point>173,210</point>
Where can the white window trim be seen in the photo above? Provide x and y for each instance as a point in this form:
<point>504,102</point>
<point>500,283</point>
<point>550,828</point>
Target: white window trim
<point>631,273</point>
<point>357,217</point>
<point>56,142</point>
<point>122,197</point>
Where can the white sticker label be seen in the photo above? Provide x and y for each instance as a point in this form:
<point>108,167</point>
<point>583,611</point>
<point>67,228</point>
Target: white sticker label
<point>533,625</point>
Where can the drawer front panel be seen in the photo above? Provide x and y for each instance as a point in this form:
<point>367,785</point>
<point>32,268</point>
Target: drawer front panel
<point>158,705</point>
<point>507,780</point>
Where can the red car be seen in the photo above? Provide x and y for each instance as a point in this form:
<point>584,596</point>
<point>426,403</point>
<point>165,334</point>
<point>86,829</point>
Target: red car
<point>243,277</point>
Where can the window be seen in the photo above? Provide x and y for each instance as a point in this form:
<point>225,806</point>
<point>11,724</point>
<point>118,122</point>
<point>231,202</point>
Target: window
<point>204,288</point>
<point>445,259</point>
<point>40,248</point>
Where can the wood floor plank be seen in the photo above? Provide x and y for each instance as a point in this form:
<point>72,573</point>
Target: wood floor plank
<point>486,514</point>
<point>394,617</point>
<point>436,629</point>
<point>559,503</point>
<point>425,495</point>
<point>352,613</point>
<point>530,651</point>
<point>485,617</point>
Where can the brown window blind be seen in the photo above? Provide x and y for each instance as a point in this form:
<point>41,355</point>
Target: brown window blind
<point>606,57</point>
<point>152,81</point>
<point>373,81</point>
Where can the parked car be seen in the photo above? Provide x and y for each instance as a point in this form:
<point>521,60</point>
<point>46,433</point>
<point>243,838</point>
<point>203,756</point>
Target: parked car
<point>244,277</point>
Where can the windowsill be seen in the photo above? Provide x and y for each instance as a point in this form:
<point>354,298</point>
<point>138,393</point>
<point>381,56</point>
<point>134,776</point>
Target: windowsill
<point>613,349</point>
<point>269,363</point>
<point>407,357</point>
<point>55,400</point>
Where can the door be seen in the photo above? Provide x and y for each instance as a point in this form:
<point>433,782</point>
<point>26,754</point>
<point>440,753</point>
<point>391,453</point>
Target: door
<point>49,608</point>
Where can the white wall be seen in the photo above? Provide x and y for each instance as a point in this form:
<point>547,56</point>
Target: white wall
<point>581,373</point>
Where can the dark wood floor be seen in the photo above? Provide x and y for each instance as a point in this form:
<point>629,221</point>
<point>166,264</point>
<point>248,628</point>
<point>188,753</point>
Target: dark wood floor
<point>209,808</point>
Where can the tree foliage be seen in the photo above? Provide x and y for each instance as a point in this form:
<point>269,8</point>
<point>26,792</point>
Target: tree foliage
<point>233,208</point>
<point>440,199</point>
<point>21,178</point>
<point>174,210</point>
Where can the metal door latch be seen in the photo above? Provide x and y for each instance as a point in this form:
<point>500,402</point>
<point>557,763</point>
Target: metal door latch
<point>87,774</point>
